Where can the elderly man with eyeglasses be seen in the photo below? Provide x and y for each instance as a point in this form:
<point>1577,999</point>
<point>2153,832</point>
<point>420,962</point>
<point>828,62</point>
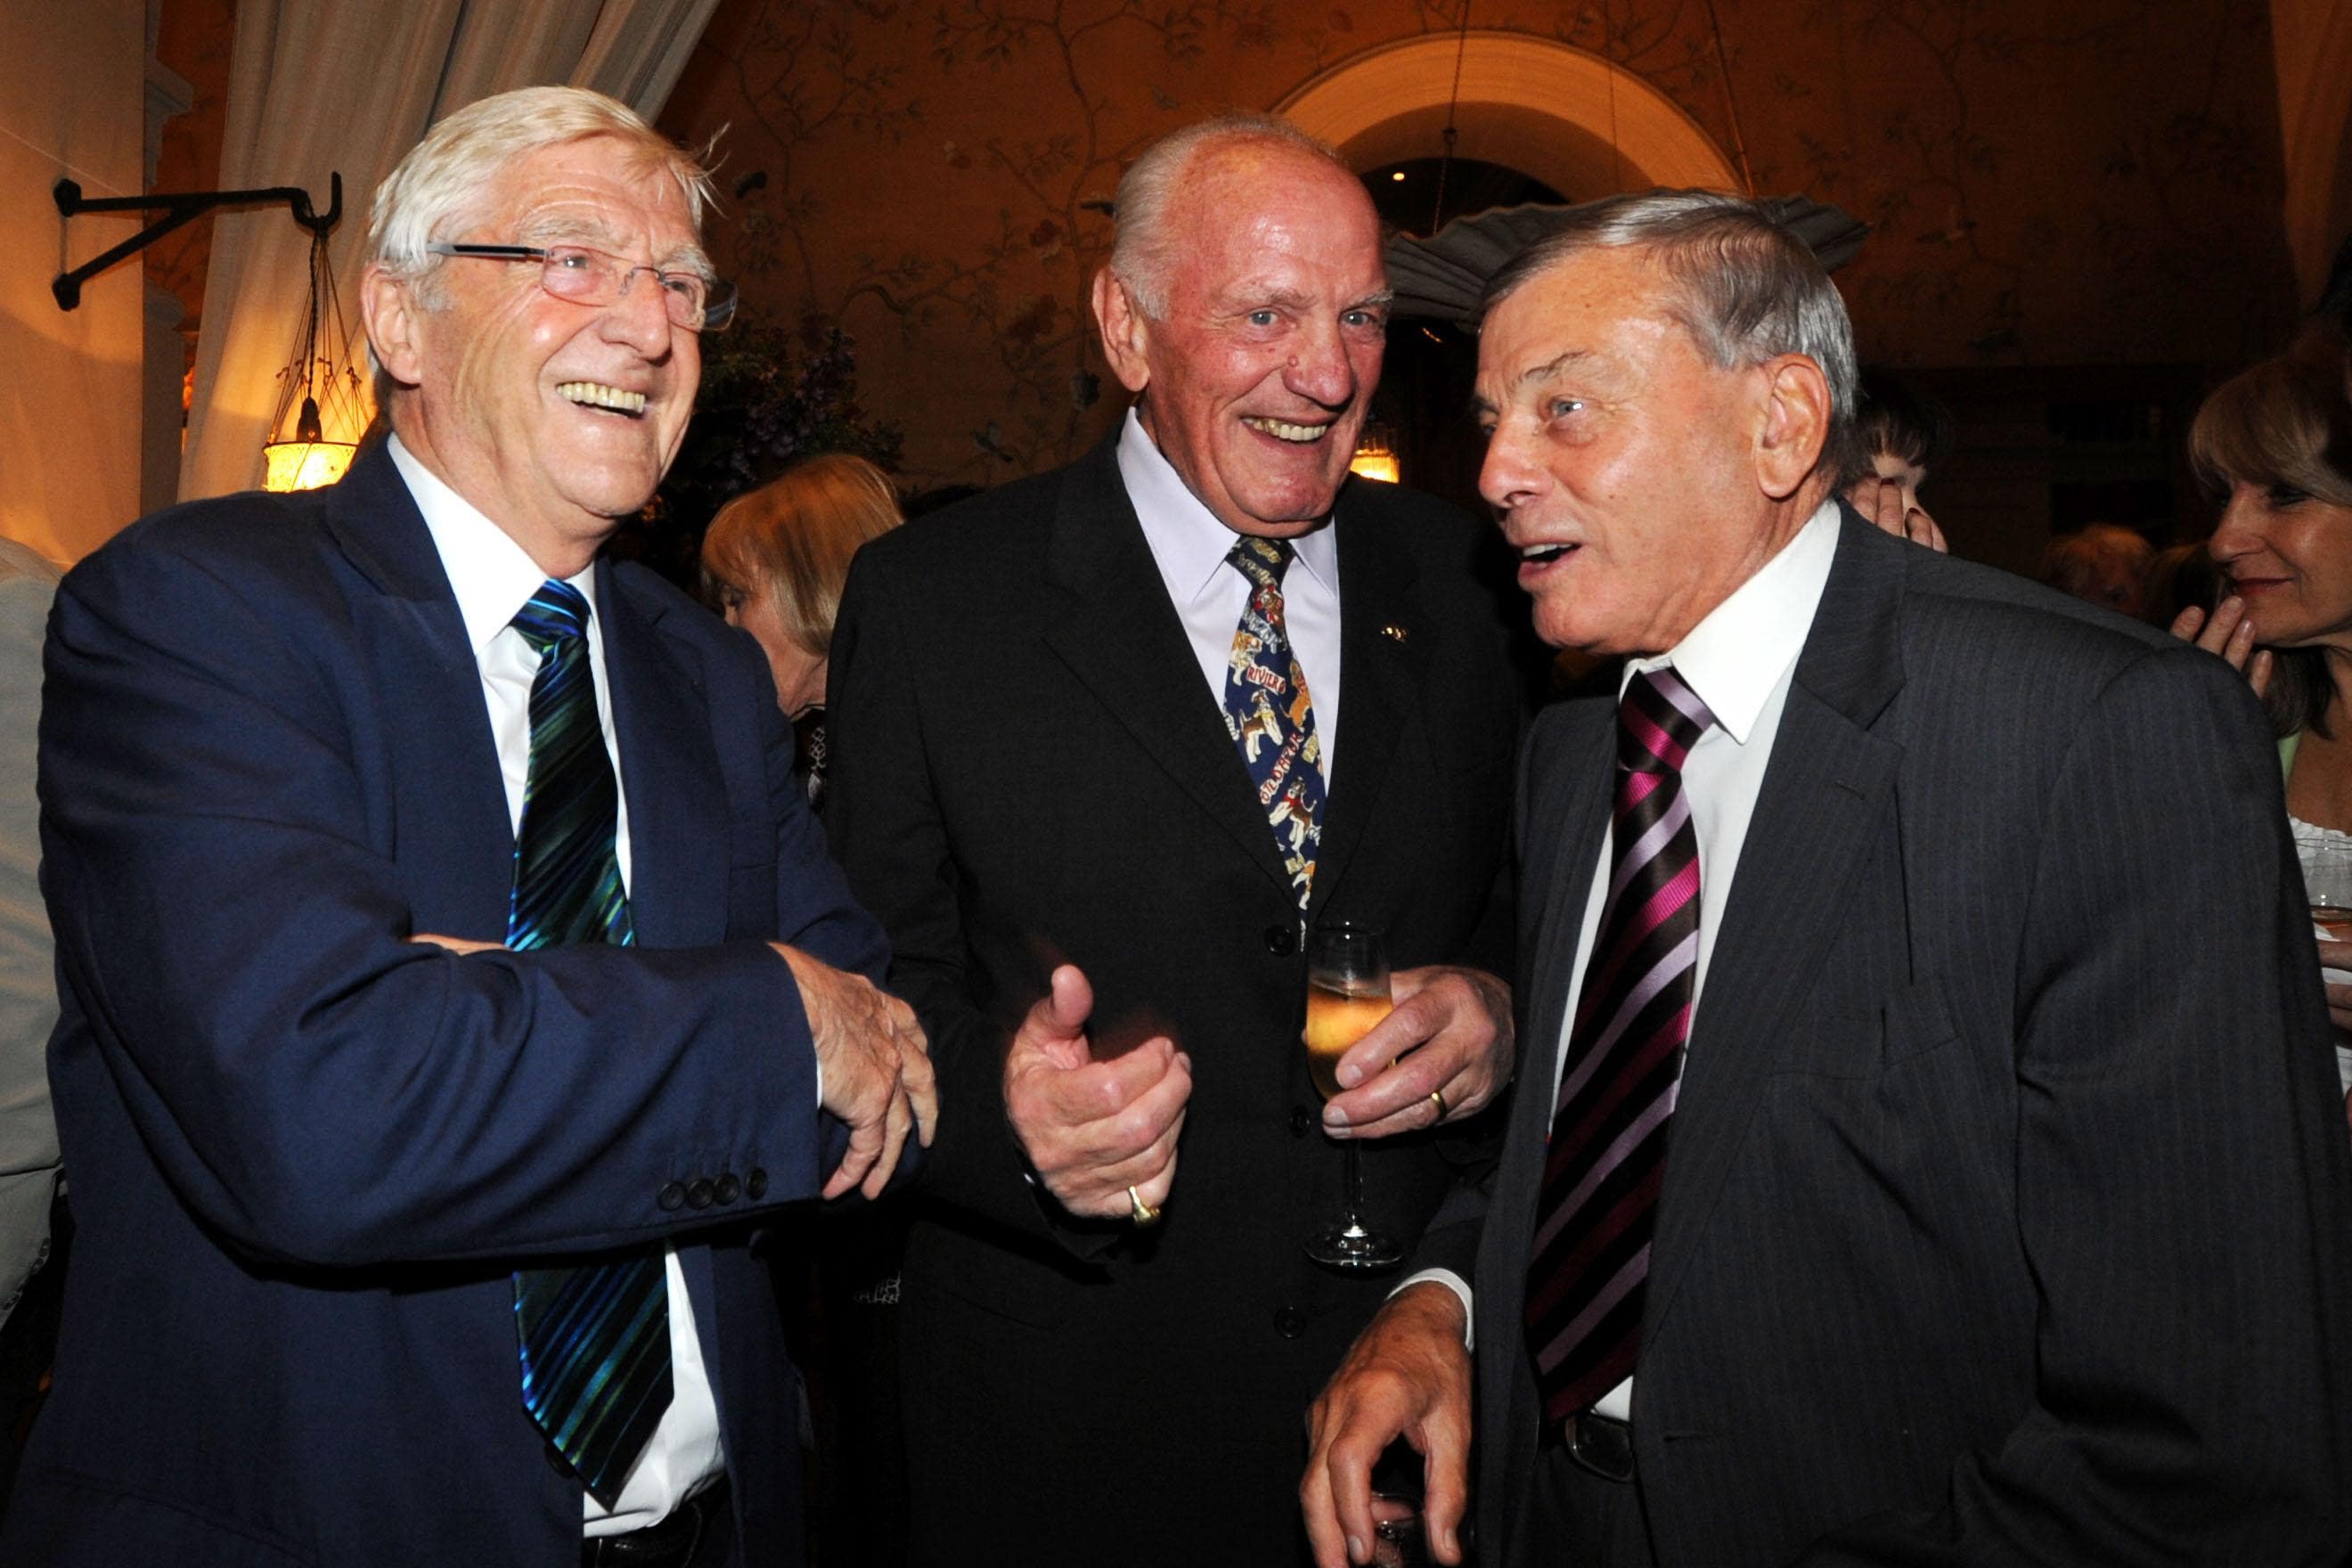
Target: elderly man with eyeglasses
<point>451,970</point>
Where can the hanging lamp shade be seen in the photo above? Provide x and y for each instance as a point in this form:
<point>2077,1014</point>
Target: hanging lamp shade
<point>320,392</point>
<point>1375,457</point>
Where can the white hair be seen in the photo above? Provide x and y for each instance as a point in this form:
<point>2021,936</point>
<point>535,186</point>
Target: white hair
<point>1143,256</point>
<point>440,182</point>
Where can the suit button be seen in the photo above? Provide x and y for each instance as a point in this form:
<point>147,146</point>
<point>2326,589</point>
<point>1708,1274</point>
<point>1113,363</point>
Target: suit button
<point>672,1195</point>
<point>756,1185</point>
<point>727,1189</point>
<point>1281,941</point>
<point>556,1461</point>
<point>1290,1323</point>
<point>697,1194</point>
<point>1301,1121</point>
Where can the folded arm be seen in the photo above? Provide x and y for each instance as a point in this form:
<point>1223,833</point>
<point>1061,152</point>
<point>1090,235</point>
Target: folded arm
<point>234,927</point>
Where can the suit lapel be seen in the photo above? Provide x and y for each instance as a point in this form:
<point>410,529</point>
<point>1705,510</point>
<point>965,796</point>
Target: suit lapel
<point>1120,637</point>
<point>677,805</point>
<point>1383,661</point>
<point>1828,784</point>
<point>451,836</point>
<point>1575,803</point>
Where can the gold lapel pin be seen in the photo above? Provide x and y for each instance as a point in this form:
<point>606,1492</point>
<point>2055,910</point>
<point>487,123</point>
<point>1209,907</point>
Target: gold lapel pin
<point>1394,633</point>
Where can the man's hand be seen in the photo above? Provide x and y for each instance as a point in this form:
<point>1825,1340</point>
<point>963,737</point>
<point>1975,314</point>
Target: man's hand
<point>876,1065</point>
<point>1406,1376</point>
<point>1092,1130</point>
<point>2229,632</point>
<point>1450,1033</point>
<point>1885,506</point>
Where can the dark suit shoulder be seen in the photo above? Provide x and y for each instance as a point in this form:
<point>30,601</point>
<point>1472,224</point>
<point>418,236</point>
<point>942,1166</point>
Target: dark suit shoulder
<point>680,613</point>
<point>254,527</point>
<point>1965,591</point>
<point>1436,536</point>
<point>983,533</point>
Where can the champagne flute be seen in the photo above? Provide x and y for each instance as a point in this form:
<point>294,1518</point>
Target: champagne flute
<point>1347,994</point>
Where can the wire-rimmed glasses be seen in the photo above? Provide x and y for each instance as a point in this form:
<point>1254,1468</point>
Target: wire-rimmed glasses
<point>583,274</point>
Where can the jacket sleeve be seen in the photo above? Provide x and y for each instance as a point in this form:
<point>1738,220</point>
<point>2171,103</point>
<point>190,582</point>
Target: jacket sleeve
<point>234,937</point>
<point>2181,1177</point>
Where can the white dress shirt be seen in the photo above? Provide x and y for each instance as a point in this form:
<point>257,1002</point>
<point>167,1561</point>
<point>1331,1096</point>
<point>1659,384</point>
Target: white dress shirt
<point>1190,546</point>
<point>493,578</point>
<point>1739,661</point>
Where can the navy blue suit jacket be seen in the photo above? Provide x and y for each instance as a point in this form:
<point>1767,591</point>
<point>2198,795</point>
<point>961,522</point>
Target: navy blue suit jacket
<point>306,1151</point>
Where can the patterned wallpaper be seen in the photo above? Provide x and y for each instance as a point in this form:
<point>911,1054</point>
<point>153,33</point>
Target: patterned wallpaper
<point>2093,184</point>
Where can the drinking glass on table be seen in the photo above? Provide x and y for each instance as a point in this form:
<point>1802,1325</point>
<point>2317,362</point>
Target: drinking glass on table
<point>1347,994</point>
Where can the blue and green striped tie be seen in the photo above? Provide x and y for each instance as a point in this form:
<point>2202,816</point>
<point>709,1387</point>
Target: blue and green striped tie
<point>594,1339</point>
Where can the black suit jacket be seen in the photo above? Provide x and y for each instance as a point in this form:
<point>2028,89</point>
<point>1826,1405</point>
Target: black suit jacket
<point>2005,1217</point>
<point>1026,768</point>
<point>306,1152</point>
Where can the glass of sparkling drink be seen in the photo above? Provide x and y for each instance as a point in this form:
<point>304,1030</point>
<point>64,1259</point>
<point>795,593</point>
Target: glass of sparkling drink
<point>2327,885</point>
<point>1347,994</point>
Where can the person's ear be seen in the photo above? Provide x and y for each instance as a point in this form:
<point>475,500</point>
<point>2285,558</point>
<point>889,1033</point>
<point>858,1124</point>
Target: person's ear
<point>1126,331</point>
<point>393,321</point>
<point>1793,424</point>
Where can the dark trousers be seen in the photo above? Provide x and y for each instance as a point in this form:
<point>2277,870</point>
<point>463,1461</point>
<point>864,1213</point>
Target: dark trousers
<point>1571,1515</point>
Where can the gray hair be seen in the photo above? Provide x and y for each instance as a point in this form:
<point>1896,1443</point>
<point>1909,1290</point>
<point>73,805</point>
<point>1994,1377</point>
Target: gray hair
<point>436,187</point>
<point>1144,254</point>
<point>1750,289</point>
<point>440,182</point>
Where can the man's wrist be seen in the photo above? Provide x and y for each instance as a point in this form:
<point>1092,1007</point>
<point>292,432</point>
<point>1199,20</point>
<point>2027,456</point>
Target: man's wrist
<point>1457,1310</point>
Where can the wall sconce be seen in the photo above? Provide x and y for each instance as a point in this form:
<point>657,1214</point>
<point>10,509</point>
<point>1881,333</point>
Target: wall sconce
<point>1375,459</point>
<point>320,366</point>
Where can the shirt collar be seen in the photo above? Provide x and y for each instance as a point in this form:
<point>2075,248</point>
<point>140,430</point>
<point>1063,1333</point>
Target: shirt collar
<point>1186,538</point>
<point>492,576</point>
<point>1734,657</point>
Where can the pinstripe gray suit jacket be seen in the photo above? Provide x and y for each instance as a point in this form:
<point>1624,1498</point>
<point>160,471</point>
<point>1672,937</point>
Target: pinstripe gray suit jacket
<point>2008,1216</point>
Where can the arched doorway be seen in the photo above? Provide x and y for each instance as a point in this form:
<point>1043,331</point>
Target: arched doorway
<point>1560,115</point>
<point>1534,120</point>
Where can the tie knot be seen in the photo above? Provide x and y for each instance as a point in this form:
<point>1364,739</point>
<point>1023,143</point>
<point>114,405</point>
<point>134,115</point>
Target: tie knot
<point>557,614</point>
<point>1262,561</point>
<point>1659,719</point>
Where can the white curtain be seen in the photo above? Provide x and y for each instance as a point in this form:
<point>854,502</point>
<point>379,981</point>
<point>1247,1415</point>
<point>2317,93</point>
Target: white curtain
<point>323,85</point>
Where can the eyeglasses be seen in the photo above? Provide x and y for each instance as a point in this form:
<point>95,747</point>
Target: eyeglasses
<point>585,276</point>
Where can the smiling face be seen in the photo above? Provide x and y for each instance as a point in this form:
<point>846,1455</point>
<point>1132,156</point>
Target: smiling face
<point>1256,383</point>
<point>557,419</point>
<point>1640,483</point>
<point>2289,556</point>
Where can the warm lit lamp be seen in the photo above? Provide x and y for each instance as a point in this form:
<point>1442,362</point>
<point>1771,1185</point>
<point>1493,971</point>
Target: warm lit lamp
<point>318,371</point>
<point>1375,459</point>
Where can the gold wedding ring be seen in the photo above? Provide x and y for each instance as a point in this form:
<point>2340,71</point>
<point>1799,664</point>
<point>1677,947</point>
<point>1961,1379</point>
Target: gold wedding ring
<point>1437,1099</point>
<point>1141,1212</point>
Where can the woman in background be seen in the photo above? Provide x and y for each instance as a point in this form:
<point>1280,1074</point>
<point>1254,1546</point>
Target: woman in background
<point>774,560</point>
<point>2275,442</point>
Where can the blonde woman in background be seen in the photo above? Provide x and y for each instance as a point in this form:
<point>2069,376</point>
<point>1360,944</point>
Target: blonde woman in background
<point>774,560</point>
<point>2275,442</point>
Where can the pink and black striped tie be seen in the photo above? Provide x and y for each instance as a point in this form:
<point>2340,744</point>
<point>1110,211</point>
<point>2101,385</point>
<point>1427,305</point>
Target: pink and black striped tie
<point>1590,1266</point>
